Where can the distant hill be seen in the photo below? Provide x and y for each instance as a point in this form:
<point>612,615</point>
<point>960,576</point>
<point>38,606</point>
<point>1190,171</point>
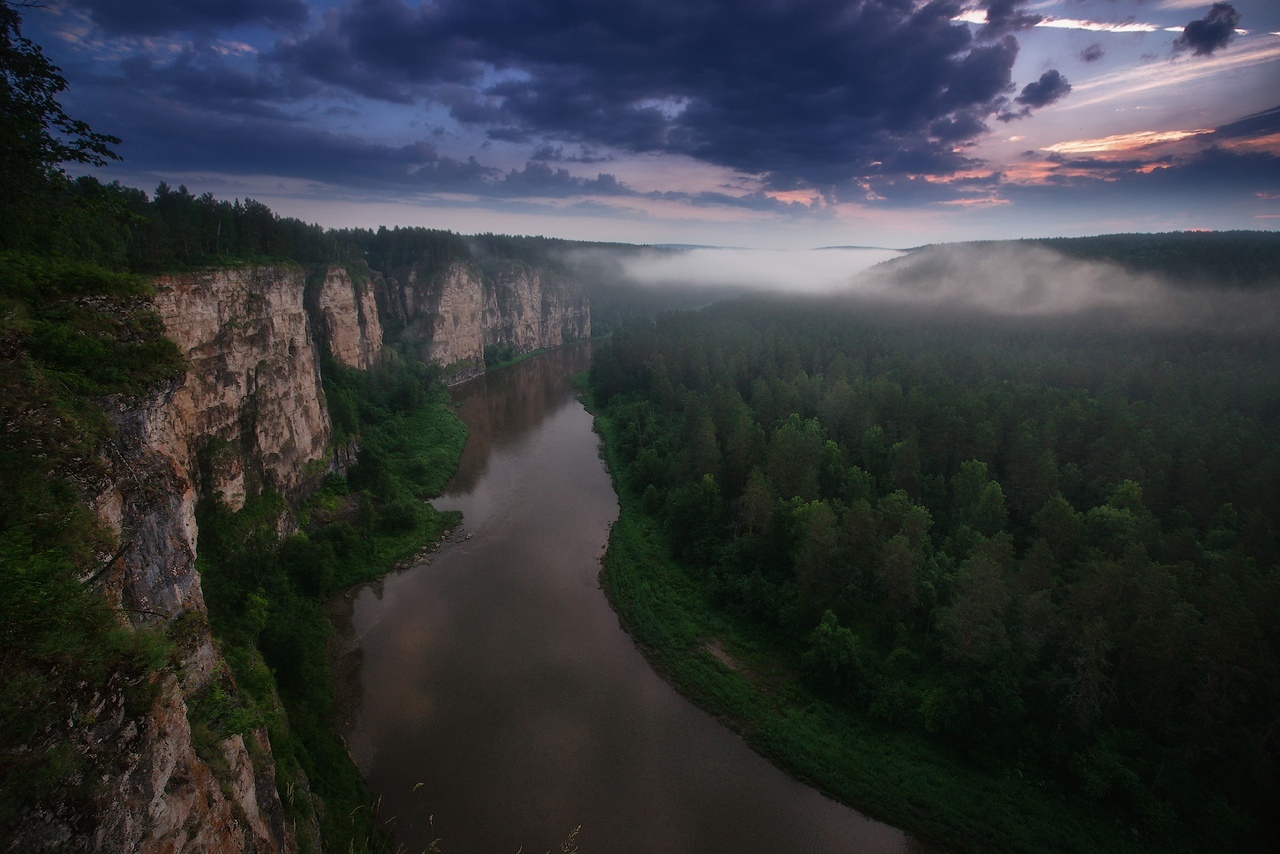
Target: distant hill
<point>1247,260</point>
<point>1233,259</point>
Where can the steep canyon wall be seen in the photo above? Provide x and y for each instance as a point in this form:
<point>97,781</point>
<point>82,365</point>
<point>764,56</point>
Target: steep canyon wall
<point>249,415</point>
<point>451,315</point>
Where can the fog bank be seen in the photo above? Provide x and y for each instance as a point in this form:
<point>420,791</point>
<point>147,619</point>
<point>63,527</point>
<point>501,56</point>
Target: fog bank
<point>797,271</point>
<point>1033,281</point>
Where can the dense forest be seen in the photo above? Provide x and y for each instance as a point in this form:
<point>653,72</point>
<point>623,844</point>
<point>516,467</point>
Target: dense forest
<point>1233,259</point>
<point>1047,547</point>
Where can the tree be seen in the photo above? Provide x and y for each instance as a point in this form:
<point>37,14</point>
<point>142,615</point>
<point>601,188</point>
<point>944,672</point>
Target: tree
<point>818,568</point>
<point>977,501</point>
<point>795,458</point>
<point>695,519</point>
<point>36,136</point>
<point>834,654</point>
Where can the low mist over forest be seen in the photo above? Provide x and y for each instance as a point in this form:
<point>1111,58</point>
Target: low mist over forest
<point>1019,497</point>
<point>1215,282</point>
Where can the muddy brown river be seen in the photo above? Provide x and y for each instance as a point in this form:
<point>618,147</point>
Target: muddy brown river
<point>496,704</point>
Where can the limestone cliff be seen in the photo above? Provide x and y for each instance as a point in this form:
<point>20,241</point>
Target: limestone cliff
<point>527,311</point>
<point>344,314</point>
<point>248,415</point>
<point>253,378</point>
<point>453,314</point>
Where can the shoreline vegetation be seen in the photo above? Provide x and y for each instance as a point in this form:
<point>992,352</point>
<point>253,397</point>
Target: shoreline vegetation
<point>728,669</point>
<point>267,596</point>
<point>496,358</point>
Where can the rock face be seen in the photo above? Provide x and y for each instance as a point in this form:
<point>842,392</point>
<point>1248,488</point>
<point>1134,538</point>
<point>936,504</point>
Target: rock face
<point>527,312</point>
<point>249,415</point>
<point>253,379</point>
<point>158,795</point>
<point>455,302</point>
<point>344,315</point>
<point>171,800</point>
<point>452,315</point>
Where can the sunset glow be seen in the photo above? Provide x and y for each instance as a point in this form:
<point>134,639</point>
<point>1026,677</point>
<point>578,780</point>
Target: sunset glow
<point>702,122</point>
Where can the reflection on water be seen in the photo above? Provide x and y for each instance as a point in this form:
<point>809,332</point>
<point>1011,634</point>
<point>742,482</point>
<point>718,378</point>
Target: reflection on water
<point>501,408</point>
<point>500,705</point>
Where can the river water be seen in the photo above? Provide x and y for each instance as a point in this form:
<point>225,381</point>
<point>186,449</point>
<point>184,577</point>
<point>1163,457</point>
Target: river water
<point>494,701</point>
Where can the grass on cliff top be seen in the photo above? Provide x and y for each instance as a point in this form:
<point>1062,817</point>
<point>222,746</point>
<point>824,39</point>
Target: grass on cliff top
<point>888,774</point>
<point>89,329</point>
<point>71,334</point>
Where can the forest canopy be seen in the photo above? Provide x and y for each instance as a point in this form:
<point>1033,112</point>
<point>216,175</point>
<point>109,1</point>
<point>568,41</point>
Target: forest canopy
<point>1046,543</point>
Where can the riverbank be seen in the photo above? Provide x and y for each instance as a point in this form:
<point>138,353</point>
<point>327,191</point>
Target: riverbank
<point>726,668</point>
<point>266,596</point>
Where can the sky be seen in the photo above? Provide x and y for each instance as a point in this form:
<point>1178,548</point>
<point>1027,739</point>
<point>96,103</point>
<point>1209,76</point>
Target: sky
<point>777,124</point>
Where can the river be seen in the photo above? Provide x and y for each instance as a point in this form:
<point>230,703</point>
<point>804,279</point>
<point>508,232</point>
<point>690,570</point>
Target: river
<point>496,704</point>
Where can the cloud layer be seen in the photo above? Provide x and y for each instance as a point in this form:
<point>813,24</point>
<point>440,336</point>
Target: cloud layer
<point>805,109</point>
<point>805,93</point>
<point>152,17</point>
<point>808,93</point>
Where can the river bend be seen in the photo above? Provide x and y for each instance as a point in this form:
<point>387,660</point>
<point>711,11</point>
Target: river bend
<point>494,701</point>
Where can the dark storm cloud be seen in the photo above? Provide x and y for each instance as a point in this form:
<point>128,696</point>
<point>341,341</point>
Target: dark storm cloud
<point>805,93</point>
<point>1259,124</point>
<point>173,130</point>
<point>1005,16</point>
<point>382,49</point>
<point>173,134</point>
<point>558,154</point>
<point>507,134</point>
<point>1214,174</point>
<point>539,179</point>
<point>1092,53</point>
<point>152,17</point>
<point>174,139</point>
<point>203,79</point>
<point>961,126</point>
<point>1217,169</point>
<point>1051,87</point>
<point>1211,32</point>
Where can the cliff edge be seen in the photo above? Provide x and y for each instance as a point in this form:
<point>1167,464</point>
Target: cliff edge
<point>248,415</point>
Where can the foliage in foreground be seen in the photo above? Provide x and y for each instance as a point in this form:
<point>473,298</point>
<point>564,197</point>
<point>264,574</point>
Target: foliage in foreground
<point>72,336</point>
<point>265,597</point>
